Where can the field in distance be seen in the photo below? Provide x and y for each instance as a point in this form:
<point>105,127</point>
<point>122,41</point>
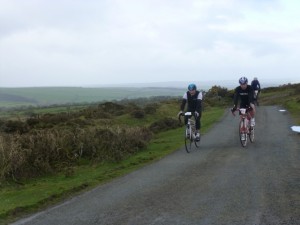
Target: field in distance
<point>37,96</point>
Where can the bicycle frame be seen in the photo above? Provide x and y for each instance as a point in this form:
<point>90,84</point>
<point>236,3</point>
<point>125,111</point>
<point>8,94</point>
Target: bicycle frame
<point>191,123</point>
<point>243,127</point>
<point>189,133</point>
<point>245,130</point>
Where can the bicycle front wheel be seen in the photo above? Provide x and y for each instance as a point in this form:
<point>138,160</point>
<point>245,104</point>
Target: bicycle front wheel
<point>188,139</point>
<point>243,133</point>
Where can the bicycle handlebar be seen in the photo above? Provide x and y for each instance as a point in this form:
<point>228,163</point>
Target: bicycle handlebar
<point>247,109</point>
<point>186,114</point>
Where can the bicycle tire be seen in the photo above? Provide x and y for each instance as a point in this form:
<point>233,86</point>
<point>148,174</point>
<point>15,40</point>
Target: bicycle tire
<point>188,140</point>
<point>242,133</point>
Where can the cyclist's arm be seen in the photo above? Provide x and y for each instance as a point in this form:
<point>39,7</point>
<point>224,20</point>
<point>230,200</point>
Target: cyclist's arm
<point>199,104</point>
<point>183,104</point>
<point>235,98</point>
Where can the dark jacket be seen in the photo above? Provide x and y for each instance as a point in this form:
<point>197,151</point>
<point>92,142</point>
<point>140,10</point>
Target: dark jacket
<point>193,102</point>
<point>245,96</point>
<point>255,85</point>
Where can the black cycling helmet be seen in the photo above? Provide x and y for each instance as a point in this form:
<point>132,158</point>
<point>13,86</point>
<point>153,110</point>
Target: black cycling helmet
<point>192,87</point>
<point>243,80</point>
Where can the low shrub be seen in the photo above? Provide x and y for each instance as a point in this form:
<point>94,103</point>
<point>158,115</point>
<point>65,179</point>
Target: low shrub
<point>14,126</point>
<point>151,108</point>
<point>164,124</point>
<point>138,114</point>
<point>45,151</point>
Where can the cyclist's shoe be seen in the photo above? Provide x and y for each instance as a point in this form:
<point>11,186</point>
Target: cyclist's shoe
<point>197,137</point>
<point>252,122</point>
<point>243,137</point>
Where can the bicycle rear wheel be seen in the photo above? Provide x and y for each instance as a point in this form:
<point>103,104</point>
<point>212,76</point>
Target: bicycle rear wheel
<point>243,133</point>
<point>188,140</point>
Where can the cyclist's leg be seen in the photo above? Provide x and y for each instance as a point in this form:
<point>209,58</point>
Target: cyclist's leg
<point>198,123</point>
<point>198,126</point>
<point>252,114</point>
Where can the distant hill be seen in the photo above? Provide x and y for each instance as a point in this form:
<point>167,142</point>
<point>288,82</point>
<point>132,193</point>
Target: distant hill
<point>203,85</point>
<point>15,98</point>
<point>11,97</point>
<point>41,96</point>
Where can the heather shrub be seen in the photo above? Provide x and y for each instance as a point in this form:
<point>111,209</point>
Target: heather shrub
<point>113,144</point>
<point>46,151</point>
<point>151,108</point>
<point>138,114</point>
<point>164,124</point>
<point>14,126</point>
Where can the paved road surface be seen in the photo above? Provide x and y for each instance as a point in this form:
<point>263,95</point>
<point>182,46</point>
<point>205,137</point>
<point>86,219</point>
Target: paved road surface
<point>221,183</point>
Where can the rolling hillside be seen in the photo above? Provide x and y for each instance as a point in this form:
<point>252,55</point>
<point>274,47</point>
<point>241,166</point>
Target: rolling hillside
<point>12,97</point>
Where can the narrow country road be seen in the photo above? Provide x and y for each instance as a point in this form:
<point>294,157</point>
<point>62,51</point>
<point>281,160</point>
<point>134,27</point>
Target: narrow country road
<point>220,183</point>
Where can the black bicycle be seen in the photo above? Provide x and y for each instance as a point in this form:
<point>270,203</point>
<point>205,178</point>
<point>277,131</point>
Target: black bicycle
<point>190,132</point>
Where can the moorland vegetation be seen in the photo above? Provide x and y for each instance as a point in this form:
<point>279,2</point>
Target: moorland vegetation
<point>63,147</point>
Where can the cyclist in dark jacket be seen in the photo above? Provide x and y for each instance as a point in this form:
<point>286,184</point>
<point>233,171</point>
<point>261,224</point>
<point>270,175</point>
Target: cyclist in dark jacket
<point>244,92</point>
<point>193,98</point>
<point>255,84</point>
<point>256,88</point>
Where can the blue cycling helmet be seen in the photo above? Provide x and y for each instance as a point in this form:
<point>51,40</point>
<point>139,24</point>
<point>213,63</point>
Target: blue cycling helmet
<point>192,87</point>
<point>243,80</point>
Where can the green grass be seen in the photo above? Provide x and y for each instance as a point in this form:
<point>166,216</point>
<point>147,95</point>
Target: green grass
<point>286,96</point>
<point>293,106</point>
<point>16,199</point>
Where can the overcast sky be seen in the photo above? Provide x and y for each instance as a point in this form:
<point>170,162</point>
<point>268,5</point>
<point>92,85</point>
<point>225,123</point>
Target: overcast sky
<point>98,42</point>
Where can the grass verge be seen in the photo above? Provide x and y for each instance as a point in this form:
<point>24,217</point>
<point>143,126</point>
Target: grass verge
<point>20,199</point>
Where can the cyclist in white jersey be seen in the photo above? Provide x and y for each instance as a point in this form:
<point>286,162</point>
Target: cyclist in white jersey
<point>193,98</point>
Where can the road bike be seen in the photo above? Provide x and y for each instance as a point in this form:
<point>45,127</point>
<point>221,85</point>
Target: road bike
<point>190,132</point>
<point>245,130</point>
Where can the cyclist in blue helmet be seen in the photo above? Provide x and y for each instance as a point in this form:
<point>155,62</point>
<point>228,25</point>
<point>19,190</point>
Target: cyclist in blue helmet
<point>244,93</point>
<point>193,98</point>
